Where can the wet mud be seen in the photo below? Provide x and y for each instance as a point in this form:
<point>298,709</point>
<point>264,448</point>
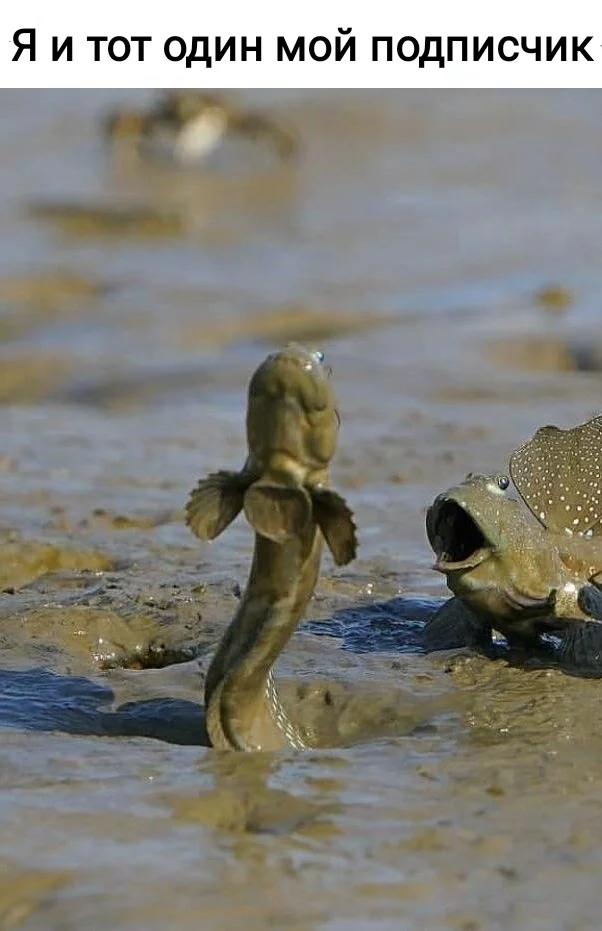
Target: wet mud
<point>454,285</point>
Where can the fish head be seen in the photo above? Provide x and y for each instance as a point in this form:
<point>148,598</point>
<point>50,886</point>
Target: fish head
<point>292,426</point>
<point>472,521</point>
<point>292,418</point>
<point>493,556</point>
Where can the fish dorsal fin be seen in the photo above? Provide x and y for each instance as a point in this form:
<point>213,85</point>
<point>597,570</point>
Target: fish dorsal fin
<point>558,474</point>
<point>277,511</point>
<point>335,519</point>
<point>215,502</point>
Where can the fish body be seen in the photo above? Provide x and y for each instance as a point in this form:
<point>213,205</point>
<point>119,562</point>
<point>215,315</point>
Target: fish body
<point>513,574</point>
<point>292,425</point>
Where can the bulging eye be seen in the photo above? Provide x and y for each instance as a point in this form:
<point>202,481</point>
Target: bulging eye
<point>503,482</point>
<point>318,355</point>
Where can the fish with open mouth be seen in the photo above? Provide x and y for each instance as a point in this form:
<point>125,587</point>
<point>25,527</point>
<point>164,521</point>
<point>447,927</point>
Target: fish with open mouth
<point>292,426</point>
<point>508,572</point>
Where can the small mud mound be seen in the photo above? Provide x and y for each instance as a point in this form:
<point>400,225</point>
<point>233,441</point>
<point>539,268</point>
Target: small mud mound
<point>22,561</point>
<point>545,353</point>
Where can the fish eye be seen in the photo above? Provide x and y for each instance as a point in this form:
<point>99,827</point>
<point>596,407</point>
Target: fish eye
<point>503,482</point>
<point>318,355</point>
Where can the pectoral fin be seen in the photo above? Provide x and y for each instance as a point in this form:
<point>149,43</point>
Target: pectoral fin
<point>581,646</point>
<point>335,519</point>
<point>215,502</point>
<point>455,626</point>
<point>277,512</point>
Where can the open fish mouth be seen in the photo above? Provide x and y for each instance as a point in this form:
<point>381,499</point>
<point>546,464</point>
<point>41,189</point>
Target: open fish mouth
<point>455,537</point>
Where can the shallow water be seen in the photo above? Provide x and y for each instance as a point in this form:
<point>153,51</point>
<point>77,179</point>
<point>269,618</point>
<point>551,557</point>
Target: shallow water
<point>413,242</point>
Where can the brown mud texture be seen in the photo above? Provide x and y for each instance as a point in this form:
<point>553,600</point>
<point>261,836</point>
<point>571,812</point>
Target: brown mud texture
<point>442,249</point>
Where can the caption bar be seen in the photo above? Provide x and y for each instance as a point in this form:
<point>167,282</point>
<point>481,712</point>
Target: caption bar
<point>210,50</point>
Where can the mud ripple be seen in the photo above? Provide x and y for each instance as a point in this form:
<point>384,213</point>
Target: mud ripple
<point>96,220</point>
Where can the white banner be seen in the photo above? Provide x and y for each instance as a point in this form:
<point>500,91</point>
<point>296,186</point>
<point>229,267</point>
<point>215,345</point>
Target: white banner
<point>236,43</point>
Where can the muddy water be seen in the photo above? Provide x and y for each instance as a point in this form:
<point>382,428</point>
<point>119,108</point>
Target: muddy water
<point>443,248</point>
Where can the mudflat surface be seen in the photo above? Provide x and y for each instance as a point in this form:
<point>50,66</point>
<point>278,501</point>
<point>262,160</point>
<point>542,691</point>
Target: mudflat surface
<point>443,249</point>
